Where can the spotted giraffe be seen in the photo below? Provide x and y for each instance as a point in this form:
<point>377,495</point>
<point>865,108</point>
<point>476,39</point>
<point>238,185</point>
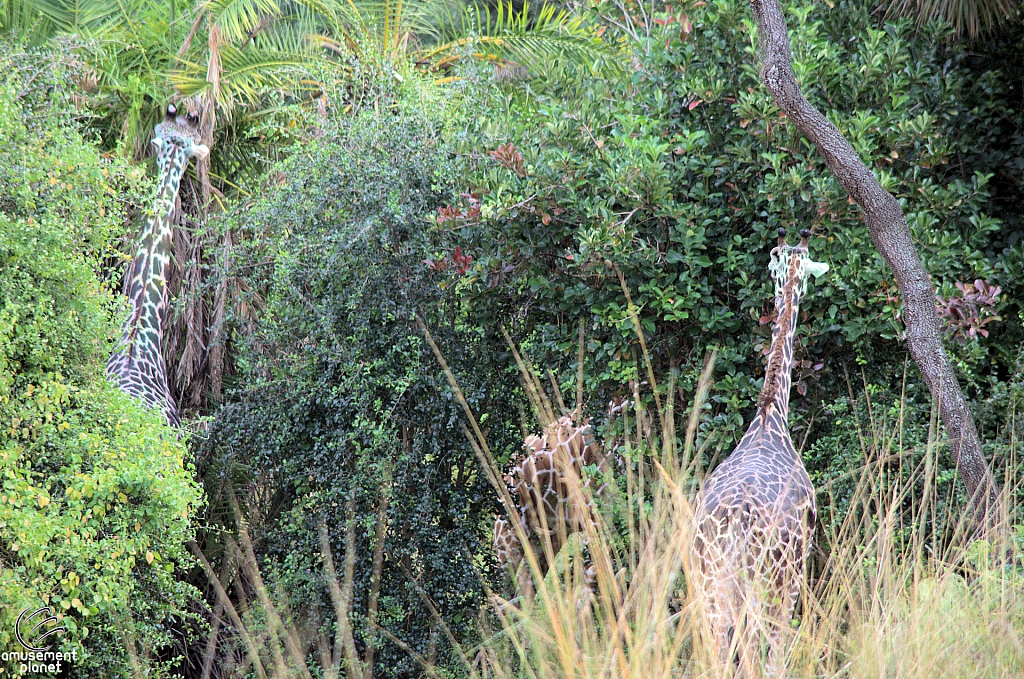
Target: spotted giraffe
<point>539,486</point>
<point>137,364</point>
<point>755,514</point>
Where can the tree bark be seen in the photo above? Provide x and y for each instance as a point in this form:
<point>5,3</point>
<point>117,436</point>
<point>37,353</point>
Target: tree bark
<point>891,237</point>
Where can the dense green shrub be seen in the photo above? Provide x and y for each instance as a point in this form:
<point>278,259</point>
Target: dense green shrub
<point>995,100</point>
<point>679,176</point>
<point>339,405</point>
<point>95,498</point>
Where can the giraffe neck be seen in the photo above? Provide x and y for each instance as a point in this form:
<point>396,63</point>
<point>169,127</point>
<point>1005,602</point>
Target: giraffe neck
<point>137,363</point>
<point>774,399</point>
<point>146,284</point>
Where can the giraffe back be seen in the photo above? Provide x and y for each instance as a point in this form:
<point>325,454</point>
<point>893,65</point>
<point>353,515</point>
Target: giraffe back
<point>541,487</point>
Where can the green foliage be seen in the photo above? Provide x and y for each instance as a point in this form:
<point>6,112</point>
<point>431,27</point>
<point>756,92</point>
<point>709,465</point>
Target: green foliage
<point>95,498</point>
<point>995,108</point>
<point>888,437</point>
<point>340,406</point>
<point>679,175</point>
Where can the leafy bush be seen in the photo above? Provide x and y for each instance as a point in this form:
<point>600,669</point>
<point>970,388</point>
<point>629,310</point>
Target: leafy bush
<point>96,498</point>
<point>679,176</point>
<point>340,415</point>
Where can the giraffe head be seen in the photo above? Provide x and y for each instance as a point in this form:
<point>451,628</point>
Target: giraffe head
<point>794,262</point>
<point>177,139</point>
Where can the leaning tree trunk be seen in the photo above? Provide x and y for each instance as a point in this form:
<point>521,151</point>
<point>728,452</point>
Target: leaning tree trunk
<point>888,227</point>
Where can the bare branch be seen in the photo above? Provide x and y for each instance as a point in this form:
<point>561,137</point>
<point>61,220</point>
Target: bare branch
<point>375,577</point>
<point>277,626</point>
<point>341,597</point>
<point>891,236</point>
<point>222,597</point>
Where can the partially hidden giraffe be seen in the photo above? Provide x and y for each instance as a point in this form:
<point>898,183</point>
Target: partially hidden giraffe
<point>137,363</point>
<point>542,491</point>
<point>755,515</point>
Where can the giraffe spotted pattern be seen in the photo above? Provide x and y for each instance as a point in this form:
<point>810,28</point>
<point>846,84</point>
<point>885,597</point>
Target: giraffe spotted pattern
<point>541,487</point>
<point>755,515</point>
<point>137,364</point>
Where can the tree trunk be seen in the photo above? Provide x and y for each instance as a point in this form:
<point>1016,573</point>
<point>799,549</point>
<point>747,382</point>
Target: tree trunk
<point>891,236</point>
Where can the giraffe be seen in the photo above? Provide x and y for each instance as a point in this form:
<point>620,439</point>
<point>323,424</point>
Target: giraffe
<point>538,483</point>
<point>137,363</point>
<point>755,514</point>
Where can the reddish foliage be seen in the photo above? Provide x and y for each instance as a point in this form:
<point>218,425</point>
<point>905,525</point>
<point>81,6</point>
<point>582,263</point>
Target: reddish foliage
<point>966,314</point>
<point>509,157</point>
<point>454,213</point>
<point>457,262</point>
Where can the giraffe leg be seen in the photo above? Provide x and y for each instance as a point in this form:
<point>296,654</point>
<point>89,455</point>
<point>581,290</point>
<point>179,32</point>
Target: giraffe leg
<point>779,629</point>
<point>524,581</point>
<point>521,574</point>
<point>751,633</point>
<point>719,600</point>
<point>713,588</point>
<point>793,551</point>
<point>779,635</point>
<point>584,604</point>
<point>589,590</point>
<point>723,628</point>
<point>510,556</point>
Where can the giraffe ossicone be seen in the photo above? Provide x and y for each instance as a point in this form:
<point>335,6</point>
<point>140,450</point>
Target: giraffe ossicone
<point>755,515</point>
<point>779,267</point>
<point>137,364</point>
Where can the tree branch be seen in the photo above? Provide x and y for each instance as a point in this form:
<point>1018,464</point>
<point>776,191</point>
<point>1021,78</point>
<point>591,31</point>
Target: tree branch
<point>891,236</point>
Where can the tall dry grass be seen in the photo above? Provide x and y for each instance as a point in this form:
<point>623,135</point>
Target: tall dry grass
<point>893,593</point>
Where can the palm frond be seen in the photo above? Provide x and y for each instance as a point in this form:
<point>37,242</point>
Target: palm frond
<point>245,77</point>
<point>534,39</point>
<point>239,19</point>
<point>968,18</point>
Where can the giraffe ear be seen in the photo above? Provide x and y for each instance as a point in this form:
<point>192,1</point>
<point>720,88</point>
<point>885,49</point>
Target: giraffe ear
<point>815,268</point>
<point>200,151</point>
<point>158,142</point>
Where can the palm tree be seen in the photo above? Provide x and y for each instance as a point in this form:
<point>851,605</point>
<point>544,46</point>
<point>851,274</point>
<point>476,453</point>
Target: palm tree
<point>240,59</point>
<point>244,65</point>
<point>969,18</point>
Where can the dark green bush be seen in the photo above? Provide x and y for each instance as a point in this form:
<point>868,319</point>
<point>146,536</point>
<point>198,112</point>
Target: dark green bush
<point>339,404</point>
